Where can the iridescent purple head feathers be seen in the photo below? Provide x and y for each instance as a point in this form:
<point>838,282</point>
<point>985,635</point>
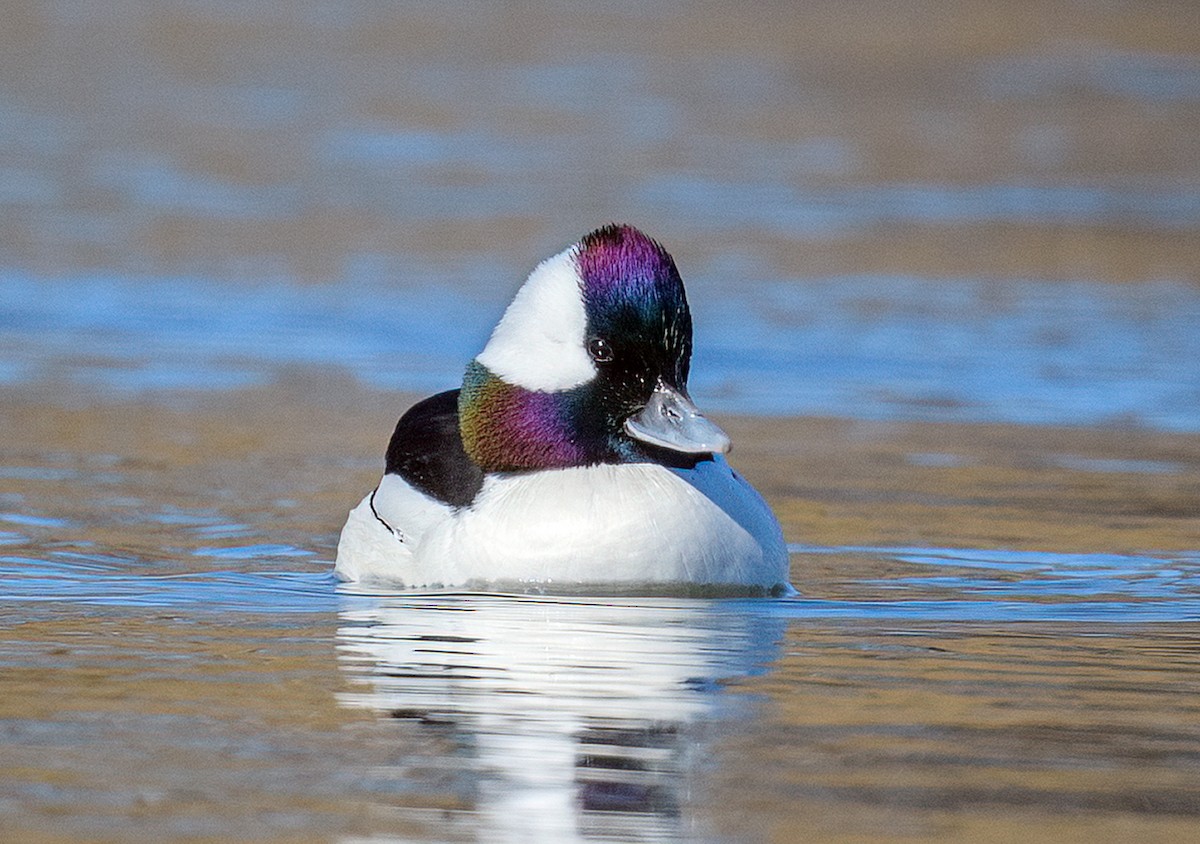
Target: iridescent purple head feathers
<point>583,346</point>
<point>633,293</point>
<point>620,260</point>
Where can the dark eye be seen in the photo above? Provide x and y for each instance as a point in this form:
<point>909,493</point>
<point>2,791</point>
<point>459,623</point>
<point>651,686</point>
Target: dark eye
<point>600,350</point>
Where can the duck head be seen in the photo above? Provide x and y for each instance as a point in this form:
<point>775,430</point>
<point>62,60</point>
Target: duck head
<point>589,364</point>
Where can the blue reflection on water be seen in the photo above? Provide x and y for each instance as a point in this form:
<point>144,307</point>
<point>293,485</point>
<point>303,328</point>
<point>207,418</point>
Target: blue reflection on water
<point>1150,77</point>
<point>950,585</point>
<point>1117,466</point>
<point>1071,353</point>
<point>42,581</point>
<point>807,212</point>
<point>1023,585</point>
<point>1009,351</point>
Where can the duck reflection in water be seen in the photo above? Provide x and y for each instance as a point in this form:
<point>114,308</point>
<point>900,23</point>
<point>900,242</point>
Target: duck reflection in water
<point>568,719</point>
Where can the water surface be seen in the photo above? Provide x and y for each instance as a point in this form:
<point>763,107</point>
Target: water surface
<point>943,268</point>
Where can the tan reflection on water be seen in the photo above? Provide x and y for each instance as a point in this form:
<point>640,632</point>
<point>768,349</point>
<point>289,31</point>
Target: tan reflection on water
<point>198,138</point>
<point>1040,732</point>
<point>157,726</point>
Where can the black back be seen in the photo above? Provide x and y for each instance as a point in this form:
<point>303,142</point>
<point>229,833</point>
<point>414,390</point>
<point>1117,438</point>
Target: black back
<point>427,451</point>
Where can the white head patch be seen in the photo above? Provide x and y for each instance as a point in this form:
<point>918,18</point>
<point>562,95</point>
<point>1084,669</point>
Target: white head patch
<point>539,342</point>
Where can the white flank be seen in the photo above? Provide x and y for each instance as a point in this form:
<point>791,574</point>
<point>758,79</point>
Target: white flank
<point>380,535</point>
<point>611,524</point>
<point>539,343</point>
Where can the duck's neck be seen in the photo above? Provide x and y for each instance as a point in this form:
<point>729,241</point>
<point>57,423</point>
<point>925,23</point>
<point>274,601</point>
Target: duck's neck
<point>507,428</point>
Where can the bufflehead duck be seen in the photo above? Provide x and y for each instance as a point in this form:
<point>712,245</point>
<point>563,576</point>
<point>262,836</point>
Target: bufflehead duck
<point>572,458</point>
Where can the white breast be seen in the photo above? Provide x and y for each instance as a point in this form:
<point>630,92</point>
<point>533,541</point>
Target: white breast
<point>624,524</point>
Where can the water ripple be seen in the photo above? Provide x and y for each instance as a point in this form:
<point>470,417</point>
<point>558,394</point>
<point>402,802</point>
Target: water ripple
<point>39,581</point>
<point>975,586</point>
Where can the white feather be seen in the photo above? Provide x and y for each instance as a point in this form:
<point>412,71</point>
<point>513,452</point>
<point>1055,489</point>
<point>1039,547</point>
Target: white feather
<point>611,524</point>
<point>539,342</point>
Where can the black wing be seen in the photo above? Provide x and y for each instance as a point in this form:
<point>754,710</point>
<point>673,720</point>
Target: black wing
<point>427,451</point>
